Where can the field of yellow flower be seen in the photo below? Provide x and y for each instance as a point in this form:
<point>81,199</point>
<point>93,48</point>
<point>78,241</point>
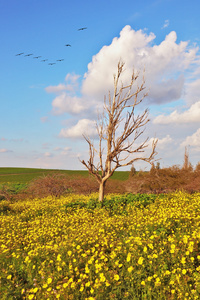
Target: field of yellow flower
<point>74,248</point>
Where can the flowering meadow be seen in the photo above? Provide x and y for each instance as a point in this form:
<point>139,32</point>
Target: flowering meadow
<point>132,247</point>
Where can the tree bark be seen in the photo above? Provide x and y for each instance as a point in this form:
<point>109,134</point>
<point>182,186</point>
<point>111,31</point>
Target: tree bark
<point>101,190</point>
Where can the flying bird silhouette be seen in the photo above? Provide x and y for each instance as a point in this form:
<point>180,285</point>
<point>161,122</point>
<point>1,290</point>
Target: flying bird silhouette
<point>19,54</point>
<point>44,59</point>
<point>83,28</point>
<point>29,54</point>
<point>60,59</point>
<point>68,45</point>
<point>51,64</point>
<point>37,56</point>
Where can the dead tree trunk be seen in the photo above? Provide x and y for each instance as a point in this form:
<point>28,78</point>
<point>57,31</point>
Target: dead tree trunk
<point>102,190</point>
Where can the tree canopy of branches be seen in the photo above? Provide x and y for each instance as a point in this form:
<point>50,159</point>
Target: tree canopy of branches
<point>118,128</point>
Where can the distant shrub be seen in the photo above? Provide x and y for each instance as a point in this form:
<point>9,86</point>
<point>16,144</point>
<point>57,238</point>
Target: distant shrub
<point>55,185</point>
<point>10,191</point>
<point>158,165</point>
<point>132,171</point>
<point>83,185</point>
<point>165,180</point>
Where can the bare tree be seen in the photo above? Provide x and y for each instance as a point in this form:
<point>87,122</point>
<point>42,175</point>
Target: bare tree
<point>186,164</point>
<point>119,144</point>
<point>186,159</point>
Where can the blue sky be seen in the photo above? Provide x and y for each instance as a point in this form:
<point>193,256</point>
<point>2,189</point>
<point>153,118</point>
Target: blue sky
<point>46,108</point>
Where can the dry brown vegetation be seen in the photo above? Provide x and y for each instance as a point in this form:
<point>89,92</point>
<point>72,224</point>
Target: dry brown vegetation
<point>165,180</point>
<point>57,185</point>
<point>155,181</point>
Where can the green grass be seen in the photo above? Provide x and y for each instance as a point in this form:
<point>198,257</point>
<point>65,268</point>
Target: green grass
<point>25,175</point>
<point>121,175</point>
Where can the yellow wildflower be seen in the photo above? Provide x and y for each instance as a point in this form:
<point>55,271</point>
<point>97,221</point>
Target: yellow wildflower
<point>49,280</point>
<point>128,257</point>
<point>81,288</point>
<point>102,278</point>
<point>130,269</point>
<point>116,277</point>
<point>69,253</point>
<point>145,249</point>
<point>183,260</point>
<point>87,284</point>
<point>140,260</point>
<point>59,257</point>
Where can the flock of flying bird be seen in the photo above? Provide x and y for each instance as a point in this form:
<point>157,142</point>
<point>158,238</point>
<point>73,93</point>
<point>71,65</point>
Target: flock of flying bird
<point>43,60</point>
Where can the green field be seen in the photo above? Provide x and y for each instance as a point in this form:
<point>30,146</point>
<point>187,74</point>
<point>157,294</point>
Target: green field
<point>25,175</point>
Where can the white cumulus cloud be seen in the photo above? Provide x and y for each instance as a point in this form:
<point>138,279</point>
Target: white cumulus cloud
<point>167,90</point>
<point>163,142</point>
<point>71,83</point>
<point>65,103</point>
<point>191,115</point>
<point>193,140</point>
<point>83,127</point>
<point>66,100</point>
<point>192,91</point>
<point>166,65</point>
